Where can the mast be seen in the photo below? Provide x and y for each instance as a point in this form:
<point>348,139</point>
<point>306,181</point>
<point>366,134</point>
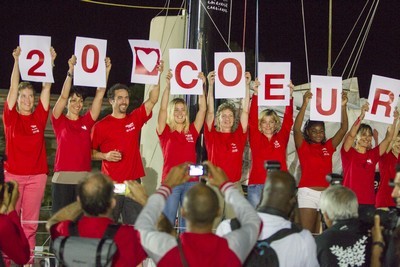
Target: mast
<point>329,72</point>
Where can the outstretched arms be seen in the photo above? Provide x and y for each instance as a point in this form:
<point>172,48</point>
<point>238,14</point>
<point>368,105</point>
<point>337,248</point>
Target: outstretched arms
<point>298,135</point>
<point>98,98</point>
<point>344,125</point>
<point>154,91</point>
<point>45,94</point>
<point>201,113</point>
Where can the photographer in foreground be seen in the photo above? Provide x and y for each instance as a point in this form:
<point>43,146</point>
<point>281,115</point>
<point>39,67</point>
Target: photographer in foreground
<point>13,242</point>
<point>198,246</point>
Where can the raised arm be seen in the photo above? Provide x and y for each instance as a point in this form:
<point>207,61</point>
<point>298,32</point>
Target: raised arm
<point>63,98</point>
<point>68,213</point>
<point>13,92</point>
<point>162,114</point>
<point>210,100</point>
<point>244,116</point>
<point>98,98</point>
<point>201,113</point>
<point>154,91</point>
<point>389,134</point>
<point>253,113</point>
<point>298,135</point>
<point>45,94</point>
<point>344,125</point>
<point>395,134</point>
<point>349,139</point>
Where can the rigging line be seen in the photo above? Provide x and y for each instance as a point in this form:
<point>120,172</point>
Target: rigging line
<point>365,37</point>
<point>351,32</point>
<point>358,37</point>
<point>127,6</point>
<point>230,24</point>
<point>165,20</point>
<point>305,40</point>
<point>215,25</point>
<point>173,27</point>
<point>257,45</point>
<point>165,5</point>
<point>244,25</point>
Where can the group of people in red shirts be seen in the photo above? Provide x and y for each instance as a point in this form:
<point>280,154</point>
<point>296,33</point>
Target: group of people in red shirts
<point>115,141</point>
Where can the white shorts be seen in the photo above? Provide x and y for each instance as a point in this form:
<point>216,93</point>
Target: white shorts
<point>308,198</point>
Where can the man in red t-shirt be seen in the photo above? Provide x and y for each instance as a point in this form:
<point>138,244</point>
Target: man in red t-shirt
<point>115,141</point>
<point>96,200</point>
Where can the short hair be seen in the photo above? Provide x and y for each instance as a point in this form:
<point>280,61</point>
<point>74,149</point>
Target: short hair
<point>170,118</point>
<point>115,87</point>
<point>201,205</point>
<point>339,203</point>
<point>222,107</point>
<point>95,192</point>
<point>78,91</point>
<point>25,85</point>
<point>309,123</point>
<point>275,117</point>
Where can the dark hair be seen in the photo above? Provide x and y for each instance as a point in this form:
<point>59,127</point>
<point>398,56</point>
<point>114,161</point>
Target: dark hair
<point>95,192</point>
<point>78,91</point>
<point>117,86</point>
<point>309,123</point>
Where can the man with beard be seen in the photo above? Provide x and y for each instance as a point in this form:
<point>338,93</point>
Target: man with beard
<point>115,141</point>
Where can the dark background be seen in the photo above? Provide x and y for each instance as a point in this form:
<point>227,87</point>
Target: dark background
<point>280,23</point>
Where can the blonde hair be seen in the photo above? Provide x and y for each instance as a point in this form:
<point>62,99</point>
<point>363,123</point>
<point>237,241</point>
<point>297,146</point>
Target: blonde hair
<point>170,118</point>
<point>222,107</point>
<point>275,117</point>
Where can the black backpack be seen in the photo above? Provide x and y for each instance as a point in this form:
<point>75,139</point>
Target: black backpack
<point>74,250</point>
<point>263,254</point>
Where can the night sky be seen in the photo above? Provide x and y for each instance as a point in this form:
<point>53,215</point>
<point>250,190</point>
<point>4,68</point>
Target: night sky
<point>281,33</point>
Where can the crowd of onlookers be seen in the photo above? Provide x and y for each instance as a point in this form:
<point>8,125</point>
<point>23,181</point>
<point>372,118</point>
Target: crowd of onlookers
<point>351,235</point>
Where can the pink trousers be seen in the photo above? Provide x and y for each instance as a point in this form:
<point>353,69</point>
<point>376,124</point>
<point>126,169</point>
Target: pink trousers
<point>31,191</point>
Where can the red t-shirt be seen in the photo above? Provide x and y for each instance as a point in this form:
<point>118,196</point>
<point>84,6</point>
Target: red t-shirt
<point>201,250</point>
<point>226,150</point>
<point>387,169</point>
<point>315,163</point>
<point>177,147</point>
<point>122,135</point>
<point>129,250</point>
<point>13,241</point>
<point>25,144</point>
<point>359,173</point>
<point>263,149</point>
<point>74,148</point>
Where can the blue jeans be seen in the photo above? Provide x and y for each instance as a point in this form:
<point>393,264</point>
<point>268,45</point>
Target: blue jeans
<point>254,192</point>
<point>174,201</point>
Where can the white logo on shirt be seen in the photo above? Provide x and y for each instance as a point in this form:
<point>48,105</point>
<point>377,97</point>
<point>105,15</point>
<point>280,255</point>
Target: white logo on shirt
<point>84,127</point>
<point>276,144</point>
<point>325,151</point>
<point>352,255</point>
<point>129,127</point>
<point>234,148</point>
<point>34,129</point>
<point>189,138</point>
<point>369,161</point>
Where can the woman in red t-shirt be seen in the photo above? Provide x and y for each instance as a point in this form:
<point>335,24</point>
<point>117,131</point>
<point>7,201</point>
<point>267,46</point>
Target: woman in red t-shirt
<point>178,141</point>
<point>268,138</point>
<point>315,155</point>
<point>359,161</point>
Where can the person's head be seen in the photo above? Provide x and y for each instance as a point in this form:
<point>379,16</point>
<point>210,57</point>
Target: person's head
<point>96,194</point>
<point>269,122</point>
<point>396,144</point>
<point>225,117</point>
<point>396,188</point>
<point>26,98</point>
<point>75,99</point>
<point>178,114</point>
<point>279,192</point>
<point>314,132</point>
<point>364,136</point>
<point>200,206</point>
<point>118,96</point>
<point>338,203</point>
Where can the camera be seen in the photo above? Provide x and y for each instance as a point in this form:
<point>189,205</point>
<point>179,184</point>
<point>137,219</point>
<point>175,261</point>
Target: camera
<point>120,189</point>
<point>334,179</point>
<point>197,170</point>
<point>272,165</point>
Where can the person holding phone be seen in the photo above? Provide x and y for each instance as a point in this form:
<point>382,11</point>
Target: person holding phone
<point>26,162</point>
<point>72,133</point>
<point>178,141</point>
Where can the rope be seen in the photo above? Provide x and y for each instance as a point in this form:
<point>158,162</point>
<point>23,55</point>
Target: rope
<point>216,27</point>
<point>305,40</point>
<point>173,27</point>
<point>257,45</point>
<point>244,24</point>
<point>128,6</point>
<point>230,25</point>
<point>351,32</point>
